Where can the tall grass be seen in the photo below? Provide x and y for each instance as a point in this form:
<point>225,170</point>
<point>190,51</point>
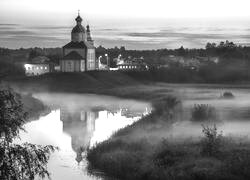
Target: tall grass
<point>213,158</point>
<point>212,141</point>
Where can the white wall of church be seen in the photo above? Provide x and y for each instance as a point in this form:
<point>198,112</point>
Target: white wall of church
<point>70,66</point>
<point>91,63</point>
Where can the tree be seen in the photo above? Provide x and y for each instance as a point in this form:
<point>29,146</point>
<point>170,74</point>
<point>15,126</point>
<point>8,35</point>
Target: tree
<point>18,161</point>
<point>181,51</point>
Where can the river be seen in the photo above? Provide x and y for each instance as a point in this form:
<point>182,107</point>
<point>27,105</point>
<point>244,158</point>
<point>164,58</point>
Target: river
<point>75,123</point>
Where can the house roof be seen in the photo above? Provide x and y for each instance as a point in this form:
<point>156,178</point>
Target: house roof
<point>80,45</point>
<point>73,55</point>
<point>40,60</point>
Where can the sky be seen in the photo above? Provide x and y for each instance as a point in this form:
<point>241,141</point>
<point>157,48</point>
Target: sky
<point>135,24</point>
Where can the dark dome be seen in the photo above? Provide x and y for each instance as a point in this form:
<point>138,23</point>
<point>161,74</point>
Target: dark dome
<point>78,29</point>
<point>78,18</point>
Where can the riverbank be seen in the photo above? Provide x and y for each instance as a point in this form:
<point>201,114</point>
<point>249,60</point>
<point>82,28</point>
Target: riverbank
<point>142,151</point>
<point>128,85</point>
<point>34,107</point>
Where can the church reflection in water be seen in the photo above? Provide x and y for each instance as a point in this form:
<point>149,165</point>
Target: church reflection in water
<point>80,125</point>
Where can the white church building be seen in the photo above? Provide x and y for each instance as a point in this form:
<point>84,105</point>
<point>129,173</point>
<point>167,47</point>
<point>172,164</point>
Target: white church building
<point>79,54</point>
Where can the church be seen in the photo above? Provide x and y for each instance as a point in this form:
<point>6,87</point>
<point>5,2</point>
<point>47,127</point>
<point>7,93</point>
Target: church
<point>79,54</point>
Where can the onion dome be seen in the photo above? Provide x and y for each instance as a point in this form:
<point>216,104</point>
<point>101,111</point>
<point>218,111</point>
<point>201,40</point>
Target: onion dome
<point>78,32</point>
<point>78,19</point>
<point>78,29</point>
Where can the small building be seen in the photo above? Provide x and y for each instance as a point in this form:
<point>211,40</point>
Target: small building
<point>79,54</point>
<point>131,64</point>
<point>38,66</point>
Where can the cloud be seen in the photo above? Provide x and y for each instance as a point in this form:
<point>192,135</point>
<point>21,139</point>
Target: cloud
<point>175,34</point>
<point>50,27</point>
<point>16,32</point>
<point>8,24</point>
<point>133,37</point>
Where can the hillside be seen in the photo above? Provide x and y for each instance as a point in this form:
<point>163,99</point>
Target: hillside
<point>72,82</point>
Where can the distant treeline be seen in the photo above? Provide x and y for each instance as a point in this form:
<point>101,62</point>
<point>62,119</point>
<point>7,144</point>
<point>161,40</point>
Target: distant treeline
<point>224,50</point>
<point>233,66</point>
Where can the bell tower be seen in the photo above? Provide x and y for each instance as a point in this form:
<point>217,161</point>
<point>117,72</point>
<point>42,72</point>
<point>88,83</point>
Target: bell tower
<point>89,38</point>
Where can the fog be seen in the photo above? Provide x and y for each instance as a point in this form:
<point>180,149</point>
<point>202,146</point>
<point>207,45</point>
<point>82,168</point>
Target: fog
<point>77,122</point>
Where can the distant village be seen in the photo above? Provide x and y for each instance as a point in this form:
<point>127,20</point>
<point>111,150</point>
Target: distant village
<point>79,55</point>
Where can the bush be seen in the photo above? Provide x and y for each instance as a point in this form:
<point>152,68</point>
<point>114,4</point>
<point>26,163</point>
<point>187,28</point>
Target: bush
<point>166,106</point>
<point>203,112</point>
<point>211,144</point>
<point>227,95</point>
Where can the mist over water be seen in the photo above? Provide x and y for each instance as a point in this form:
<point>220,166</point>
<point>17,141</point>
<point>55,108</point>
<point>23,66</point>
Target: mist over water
<point>131,33</point>
<point>76,123</point>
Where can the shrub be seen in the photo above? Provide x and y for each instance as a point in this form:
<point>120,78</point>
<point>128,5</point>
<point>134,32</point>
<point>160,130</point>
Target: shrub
<point>227,94</point>
<point>166,106</point>
<point>203,112</point>
<point>211,144</point>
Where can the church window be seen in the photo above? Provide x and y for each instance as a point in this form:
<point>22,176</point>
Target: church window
<point>70,66</point>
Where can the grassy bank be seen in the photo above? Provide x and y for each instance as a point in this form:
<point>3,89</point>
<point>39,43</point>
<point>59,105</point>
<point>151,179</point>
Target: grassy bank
<point>34,107</point>
<point>71,82</point>
<point>141,151</point>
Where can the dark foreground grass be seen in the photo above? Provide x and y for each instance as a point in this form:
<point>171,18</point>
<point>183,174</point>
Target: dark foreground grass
<point>145,160</point>
<point>140,152</point>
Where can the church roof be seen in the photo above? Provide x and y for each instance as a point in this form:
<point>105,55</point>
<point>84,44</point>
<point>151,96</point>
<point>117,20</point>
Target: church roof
<point>73,44</point>
<point>79,45</point>
<point>73,55</point>
<point>78,29</point>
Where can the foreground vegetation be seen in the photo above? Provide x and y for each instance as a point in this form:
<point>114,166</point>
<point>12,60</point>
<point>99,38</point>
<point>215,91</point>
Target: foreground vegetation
<point>18,161</point>
<point>142,152</point>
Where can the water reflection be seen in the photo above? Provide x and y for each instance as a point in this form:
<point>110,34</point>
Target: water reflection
<point>80,126</point>
<point>76,123</point>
